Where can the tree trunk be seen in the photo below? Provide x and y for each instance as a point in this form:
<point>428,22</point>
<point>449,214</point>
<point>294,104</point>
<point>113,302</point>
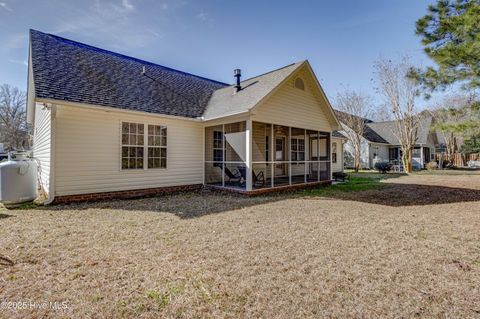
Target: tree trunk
<point>357,159</point>
<point>407,161</point>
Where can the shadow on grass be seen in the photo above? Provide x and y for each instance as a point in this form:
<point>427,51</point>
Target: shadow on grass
<point>361,187</point>
<point>371,190</point>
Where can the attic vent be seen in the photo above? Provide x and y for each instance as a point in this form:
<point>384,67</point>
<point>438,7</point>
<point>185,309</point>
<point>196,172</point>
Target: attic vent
<point>298,84</point>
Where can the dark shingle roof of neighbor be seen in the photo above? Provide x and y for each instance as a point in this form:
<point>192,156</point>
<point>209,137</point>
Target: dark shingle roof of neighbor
<point>338,134</point>
<point>372,135</point>
<point>71,71</point>
<point>368,133</point>
<point>383,132</point>
<point>386,131</point>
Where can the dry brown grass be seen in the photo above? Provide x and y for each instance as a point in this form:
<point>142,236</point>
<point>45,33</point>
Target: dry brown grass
<point>210,255</point>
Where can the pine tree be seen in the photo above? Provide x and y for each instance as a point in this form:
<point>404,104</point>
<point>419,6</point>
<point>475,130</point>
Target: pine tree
<point>450,33</point>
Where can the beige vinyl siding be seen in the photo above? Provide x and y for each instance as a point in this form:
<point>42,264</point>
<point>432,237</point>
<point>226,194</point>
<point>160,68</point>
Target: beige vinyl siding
<point>88,149</point>
<point>42,140</point>
<point>338,166</point>
<point>294,107</point>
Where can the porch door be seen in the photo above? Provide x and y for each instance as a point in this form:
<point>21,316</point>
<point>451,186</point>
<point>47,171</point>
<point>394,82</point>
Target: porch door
<point>426,155</point>
<point>280,155</point>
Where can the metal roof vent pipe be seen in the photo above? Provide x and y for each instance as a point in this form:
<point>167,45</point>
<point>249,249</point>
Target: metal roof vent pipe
<point>237,73</point>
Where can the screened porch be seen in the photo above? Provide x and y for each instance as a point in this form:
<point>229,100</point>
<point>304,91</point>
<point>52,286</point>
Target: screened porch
<point>250,155</point>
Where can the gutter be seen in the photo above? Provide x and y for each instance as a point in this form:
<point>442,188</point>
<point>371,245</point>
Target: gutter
<point>114,109</point>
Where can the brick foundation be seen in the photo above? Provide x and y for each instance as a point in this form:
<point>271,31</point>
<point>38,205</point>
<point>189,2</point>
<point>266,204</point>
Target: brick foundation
<point>150,192</point>
<point>137,193</point>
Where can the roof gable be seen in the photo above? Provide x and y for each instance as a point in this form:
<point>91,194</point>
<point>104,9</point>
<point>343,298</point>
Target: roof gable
<point>75,72</point>
<point>258,90</point>
<point>289,105</point>
<point>226,101</point>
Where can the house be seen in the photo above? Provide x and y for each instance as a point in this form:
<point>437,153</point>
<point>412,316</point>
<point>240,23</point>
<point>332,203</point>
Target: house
<point>379,144</point>
<point>3,155</point>
<point>108,125</point>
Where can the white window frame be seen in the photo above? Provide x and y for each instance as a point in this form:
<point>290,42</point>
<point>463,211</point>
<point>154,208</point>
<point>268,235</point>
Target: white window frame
<point>160,147</point>
<point>145,147</point>
<point>334,151</point>
<point>297,151</point>
<point>129,145</point>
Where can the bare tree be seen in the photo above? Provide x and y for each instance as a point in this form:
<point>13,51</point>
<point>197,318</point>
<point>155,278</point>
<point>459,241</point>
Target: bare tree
<point>354,109</point>
<point>382,114</point>
<point>13,125</point>
<point>399,92</point>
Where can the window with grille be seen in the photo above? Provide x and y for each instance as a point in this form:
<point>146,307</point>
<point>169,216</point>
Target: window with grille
<point>298,149</point>
<point>217,146</point>
<point>132,145</point>
<point>138,144</point>
<point>157,146</point>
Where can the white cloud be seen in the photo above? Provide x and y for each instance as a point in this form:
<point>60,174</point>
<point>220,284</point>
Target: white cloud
<point>5,6</point>
<point>111,22</point>
<point>127,5</point>
<point>25,63</point>
<point>202,16</point>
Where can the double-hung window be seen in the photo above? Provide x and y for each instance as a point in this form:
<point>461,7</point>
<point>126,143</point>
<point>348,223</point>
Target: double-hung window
<point>157,146</point>
<point>138,152</point>
<point>298,149</point>
<point>132,145</point>
<point>217,146</point>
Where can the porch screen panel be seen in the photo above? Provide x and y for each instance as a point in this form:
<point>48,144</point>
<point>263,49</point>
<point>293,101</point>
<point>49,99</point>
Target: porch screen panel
<point>225,155</point>
<point>214,155</point>
<point>235,154</point>
<point>313,156</point>
<point>281,155</point>
<point>235,142</point>
<point>324,156</point>
<point>261,155</point>
<point>297,154</point>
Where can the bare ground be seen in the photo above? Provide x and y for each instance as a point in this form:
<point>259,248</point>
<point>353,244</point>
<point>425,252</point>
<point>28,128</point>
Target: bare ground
<point>409,249</point>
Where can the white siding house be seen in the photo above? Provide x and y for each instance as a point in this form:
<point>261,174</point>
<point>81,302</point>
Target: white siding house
<point>42,143</point>
<point>118,125</point>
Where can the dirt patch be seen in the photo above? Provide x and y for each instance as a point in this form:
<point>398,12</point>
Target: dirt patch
<point>408,253</point>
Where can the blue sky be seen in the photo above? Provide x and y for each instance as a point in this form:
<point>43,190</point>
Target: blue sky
<point>341,39</point>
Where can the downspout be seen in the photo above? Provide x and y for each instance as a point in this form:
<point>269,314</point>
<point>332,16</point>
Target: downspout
<point>51,182</point>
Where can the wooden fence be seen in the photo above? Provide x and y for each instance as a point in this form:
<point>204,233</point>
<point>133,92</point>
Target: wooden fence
<point>459,160</point>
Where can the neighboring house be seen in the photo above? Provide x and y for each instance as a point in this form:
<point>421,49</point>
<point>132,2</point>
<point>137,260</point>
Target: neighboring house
<point>108,125</point>
<point>379,144</point>
<point>3,155</point>
<point>338,147</point>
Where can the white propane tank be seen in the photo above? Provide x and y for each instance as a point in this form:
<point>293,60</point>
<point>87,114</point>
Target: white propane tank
<point>18,179</point>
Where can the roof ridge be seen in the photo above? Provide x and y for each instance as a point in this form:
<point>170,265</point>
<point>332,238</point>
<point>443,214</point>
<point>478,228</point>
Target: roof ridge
<point>275,70</point>
<point>120,55</point>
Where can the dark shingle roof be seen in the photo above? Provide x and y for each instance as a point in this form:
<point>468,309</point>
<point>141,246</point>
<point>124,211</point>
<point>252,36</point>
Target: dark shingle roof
<point>338,134</point>
<point>372,136</point>
<point>75,72</point>
<point>386,130</point>
<point>368,133</point>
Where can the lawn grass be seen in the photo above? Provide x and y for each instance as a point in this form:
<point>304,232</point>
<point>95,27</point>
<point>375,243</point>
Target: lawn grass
<point>352,184</point>
<point>356,182</point>
<point>383,246</point>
